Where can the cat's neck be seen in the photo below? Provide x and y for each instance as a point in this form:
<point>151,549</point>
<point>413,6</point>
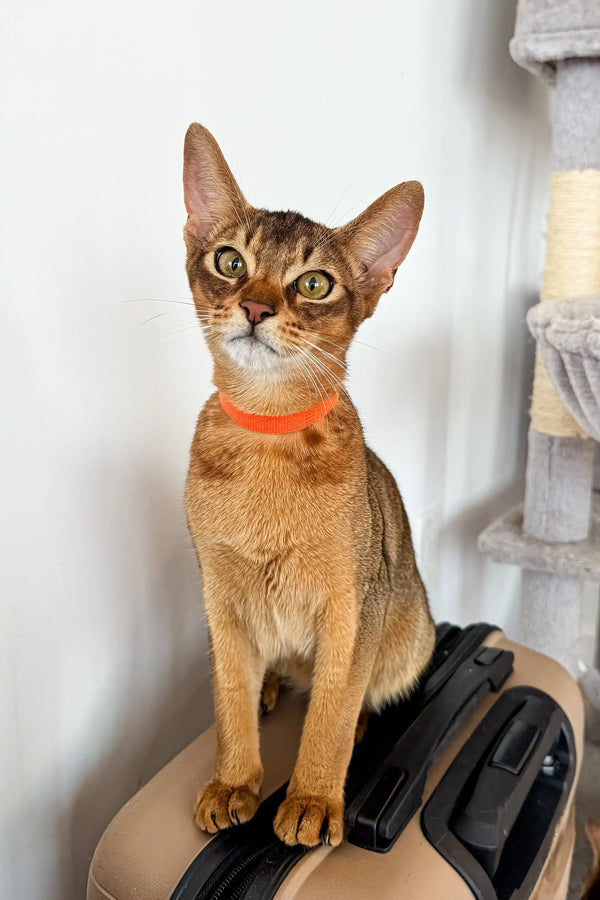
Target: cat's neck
<point>266,397</point>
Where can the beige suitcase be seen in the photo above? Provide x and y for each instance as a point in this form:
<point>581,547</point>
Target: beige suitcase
<point>467,790</point>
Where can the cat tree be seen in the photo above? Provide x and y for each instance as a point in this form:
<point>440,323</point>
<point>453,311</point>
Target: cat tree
<point>555,534</point>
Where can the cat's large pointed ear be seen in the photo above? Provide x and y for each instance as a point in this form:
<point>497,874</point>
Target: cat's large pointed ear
<point>210,191</point>
<point>382,235</point>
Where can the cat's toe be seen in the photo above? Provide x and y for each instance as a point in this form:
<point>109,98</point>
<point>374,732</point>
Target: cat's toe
<point>310,820</point>
<point>242,804</point>
<point>219,806</point>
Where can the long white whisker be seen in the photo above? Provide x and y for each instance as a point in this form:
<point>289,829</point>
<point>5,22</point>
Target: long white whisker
<point>333,380</point>
<point>321,367</point>
<point>354,341</point>
<point>320,390</point>
<point>317,369</point>
<point>158,300</point>
<point>306,372</point>
<point>151,319</point>
<point>330,355</point>
<point>345,215</point>
<point>303,373</point>
<point>335,377</point>
<point>336,207</point>
<point>320,336</point>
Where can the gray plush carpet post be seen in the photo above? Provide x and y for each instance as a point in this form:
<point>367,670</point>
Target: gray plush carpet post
<point>559,487</point>
<point>561,43</point>
<point>506,541</point>
<point>547,31</point>
<point>549,619</point>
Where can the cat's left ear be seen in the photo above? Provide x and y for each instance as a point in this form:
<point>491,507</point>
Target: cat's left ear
<point>211,193</point>
<point>382,235</point>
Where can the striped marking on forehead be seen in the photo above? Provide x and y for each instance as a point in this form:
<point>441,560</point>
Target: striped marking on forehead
<point>290,228</point>
<point>285,239</point>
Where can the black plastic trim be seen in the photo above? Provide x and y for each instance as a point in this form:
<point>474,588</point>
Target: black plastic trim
<point>391,796</point>
<point>227,850</point>
<point>496,827</point>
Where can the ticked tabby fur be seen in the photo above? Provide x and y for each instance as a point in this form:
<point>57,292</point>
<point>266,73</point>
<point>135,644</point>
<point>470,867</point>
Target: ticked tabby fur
<point>305,548</point>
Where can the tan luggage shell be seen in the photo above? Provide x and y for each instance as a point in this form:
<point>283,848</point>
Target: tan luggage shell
<point>152,841</point>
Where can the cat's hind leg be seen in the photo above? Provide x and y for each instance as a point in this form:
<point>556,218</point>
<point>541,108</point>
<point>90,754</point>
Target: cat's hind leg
<point>361,725</point>
<point>405,650</point>
<point>269,692</point>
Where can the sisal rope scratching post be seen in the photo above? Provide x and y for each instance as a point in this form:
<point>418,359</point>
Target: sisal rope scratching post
<point>560,464</point>
<point>572,269</point>
<point>561,456</point>
<point>561,43</point>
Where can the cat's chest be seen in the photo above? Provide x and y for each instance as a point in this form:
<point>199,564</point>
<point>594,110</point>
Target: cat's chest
<point>260,498</point>
<point>261,509</point>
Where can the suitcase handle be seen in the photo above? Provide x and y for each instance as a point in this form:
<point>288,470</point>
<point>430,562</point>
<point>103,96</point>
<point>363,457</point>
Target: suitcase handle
<point>485,821</point>
<point>495,811</point>
<point>394,792</point>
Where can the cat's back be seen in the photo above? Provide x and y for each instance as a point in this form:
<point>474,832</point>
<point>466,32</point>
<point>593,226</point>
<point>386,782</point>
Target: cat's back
<point>383,488</point>
<point>394,538</point>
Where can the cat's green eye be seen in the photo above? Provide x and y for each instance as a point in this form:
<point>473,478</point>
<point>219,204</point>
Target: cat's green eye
<point>230,263</point>
<point>314,285</point>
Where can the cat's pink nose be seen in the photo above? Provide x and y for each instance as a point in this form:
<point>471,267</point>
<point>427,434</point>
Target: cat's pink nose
<point>256,312</point>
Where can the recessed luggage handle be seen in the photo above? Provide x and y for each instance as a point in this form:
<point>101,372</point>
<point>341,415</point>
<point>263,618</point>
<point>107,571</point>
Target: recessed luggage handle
<point>495,812</point>
<point>394,792</point>
<point>486,817</point>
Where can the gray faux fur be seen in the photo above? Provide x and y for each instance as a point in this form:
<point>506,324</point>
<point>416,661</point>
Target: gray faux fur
<point>506,542</point>
<point>576,132</point>
<point>549,620</point>
<point>547,31</point>
<point>560,473</point>
<point>568,336</point>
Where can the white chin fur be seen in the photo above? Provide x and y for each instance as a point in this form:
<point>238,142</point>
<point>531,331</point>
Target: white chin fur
<point>252,354</point>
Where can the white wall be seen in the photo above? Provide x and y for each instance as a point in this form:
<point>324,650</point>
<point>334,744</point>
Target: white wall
<point>319,106</point>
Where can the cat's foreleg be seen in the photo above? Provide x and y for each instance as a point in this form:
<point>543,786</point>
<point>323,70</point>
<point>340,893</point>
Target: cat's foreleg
<point>233,794</point>
<point>314,806</point>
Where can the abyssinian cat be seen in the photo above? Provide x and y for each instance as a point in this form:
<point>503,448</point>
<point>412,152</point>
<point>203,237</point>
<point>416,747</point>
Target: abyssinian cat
<point>305,548</point>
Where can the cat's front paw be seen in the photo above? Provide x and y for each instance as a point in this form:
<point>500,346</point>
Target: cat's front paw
<point>302,819</point>
<point>218,806</point>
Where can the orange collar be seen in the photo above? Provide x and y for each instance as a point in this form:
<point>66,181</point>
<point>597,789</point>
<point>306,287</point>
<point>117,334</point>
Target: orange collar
<point>278,424</point>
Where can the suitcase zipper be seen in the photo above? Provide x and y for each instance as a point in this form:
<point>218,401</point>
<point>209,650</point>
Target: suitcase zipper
<point>231,856</point>
<point>227,888</point>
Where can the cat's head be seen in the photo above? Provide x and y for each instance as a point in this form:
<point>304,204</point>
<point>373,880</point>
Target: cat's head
<point>280,297</point>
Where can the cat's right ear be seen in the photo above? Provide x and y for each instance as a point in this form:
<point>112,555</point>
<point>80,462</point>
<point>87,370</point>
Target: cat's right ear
<point>210,191</point>
<point>381,236</point>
